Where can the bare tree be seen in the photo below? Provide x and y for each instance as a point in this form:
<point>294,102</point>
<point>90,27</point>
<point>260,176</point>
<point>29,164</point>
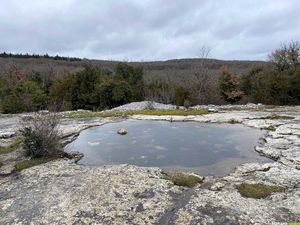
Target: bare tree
<point>287,56</point>
<point>203,81</point>
<point>204,52</point>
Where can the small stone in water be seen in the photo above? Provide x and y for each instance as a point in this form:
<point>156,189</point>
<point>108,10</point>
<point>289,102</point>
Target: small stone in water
<point>122,131</point>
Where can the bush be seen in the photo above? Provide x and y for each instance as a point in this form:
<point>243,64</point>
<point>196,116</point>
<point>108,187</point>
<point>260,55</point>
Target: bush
<point>41,137</point>
<point>83,86</point>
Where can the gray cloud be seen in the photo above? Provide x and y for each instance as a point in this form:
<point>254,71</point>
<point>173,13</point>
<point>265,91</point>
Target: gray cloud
<point>148,30</point>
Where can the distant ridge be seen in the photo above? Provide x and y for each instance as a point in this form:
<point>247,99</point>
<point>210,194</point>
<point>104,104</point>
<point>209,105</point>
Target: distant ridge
<point>174,69</point>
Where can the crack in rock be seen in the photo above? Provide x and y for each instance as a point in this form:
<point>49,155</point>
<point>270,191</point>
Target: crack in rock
<point>179,201</point>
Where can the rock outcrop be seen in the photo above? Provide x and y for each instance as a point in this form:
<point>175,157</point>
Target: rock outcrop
<point>62,192</point>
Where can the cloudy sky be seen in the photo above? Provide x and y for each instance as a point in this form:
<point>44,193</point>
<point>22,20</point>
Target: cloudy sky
<point>148,29</point>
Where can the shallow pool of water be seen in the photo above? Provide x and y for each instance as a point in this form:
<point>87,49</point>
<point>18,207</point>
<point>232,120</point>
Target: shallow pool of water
<point>207,149</point>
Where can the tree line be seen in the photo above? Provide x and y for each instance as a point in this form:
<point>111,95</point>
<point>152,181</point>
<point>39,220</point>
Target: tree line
<point>94,88</point>
<point>37,56</point>
<point>91,88</point>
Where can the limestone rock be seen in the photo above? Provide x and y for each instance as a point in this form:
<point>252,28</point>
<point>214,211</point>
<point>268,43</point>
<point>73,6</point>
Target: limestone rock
<point>62,192</point>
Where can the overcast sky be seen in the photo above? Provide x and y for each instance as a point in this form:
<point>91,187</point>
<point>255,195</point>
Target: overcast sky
<point>148,29</point>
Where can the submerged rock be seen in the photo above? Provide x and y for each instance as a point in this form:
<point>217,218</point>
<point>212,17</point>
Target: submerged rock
<point>122,131</point>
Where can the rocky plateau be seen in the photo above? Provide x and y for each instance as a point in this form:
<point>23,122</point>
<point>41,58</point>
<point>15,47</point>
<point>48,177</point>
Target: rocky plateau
<point>63,192</point>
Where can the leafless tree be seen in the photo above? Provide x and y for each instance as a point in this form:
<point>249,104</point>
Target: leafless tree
<point>204,82</point>
<point>204,52</point>
<point>287,56</point>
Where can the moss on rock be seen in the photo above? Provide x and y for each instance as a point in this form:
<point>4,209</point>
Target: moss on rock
<point>258,190</point>
<point>182,179</point>
<point>10,148</point>
<point>33,162</point>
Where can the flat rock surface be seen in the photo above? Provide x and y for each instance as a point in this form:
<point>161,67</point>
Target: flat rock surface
<point>62,192</point>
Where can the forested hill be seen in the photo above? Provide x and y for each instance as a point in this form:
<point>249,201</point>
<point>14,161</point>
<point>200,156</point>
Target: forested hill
<point>30,83</point>
<point>58,66</point>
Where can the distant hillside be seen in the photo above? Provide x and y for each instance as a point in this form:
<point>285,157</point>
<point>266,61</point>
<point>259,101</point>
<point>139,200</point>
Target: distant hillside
<point>34,82</point>
<point>156,69</point>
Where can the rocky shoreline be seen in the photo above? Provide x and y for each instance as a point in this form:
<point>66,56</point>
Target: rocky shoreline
<point>62,192</point>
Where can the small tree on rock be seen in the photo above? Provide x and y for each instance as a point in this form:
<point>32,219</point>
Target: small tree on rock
<point>230,86</point>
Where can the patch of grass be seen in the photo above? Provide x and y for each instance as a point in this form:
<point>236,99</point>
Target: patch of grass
<point>182,179</point>
<point>258,190</point>
<point>10,148</point>
<point>171,112</point>
<point>33,162</point>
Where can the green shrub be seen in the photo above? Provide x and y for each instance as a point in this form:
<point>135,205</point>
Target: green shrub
<point>83,86</point>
